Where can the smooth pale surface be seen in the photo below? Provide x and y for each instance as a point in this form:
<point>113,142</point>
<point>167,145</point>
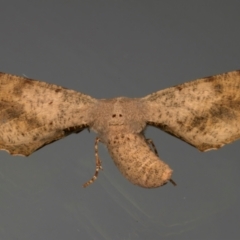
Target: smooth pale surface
<point>119,49</point>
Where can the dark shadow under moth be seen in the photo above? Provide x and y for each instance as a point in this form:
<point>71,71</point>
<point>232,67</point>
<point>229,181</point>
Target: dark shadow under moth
<point>204,113</point>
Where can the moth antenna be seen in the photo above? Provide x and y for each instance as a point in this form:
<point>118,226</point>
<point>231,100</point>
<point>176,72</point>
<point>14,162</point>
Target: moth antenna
<point>150,142</point>
<point>98,164</point>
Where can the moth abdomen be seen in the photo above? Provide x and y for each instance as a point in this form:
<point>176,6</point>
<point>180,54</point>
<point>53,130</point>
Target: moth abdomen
<point>137,162</point>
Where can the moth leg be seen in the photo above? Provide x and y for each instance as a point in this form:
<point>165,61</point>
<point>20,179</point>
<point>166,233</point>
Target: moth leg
<point>98,165</point>
<point>173,183</point>
<point>150,142</point>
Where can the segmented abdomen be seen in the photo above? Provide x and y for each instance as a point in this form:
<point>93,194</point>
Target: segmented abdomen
<point>136,160</point>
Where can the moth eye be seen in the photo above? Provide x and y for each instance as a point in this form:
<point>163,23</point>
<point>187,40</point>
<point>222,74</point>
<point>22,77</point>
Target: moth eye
<point>114,115</point>
<point>120,115</point>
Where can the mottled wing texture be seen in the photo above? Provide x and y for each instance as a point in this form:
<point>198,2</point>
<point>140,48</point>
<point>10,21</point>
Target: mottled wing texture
<point>204,113</point>
<point>34,113</point>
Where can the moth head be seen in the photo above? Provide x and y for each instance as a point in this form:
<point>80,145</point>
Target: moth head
<point>117,116</point>
<point>127,114</point>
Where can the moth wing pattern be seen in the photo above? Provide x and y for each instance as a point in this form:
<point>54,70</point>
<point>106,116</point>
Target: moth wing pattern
<point>204,113</point>
<point>34,113</point>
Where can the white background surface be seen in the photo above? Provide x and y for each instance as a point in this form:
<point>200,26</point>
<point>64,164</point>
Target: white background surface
<point>109,49</point>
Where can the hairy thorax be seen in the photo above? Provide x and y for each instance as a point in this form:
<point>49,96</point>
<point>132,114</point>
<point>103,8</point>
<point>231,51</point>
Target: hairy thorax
<point>120,123</point>
<point>118,115</point>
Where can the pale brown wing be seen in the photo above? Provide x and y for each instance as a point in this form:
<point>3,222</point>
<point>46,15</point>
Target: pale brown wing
<point>33,113</point>
<point>204,113</point>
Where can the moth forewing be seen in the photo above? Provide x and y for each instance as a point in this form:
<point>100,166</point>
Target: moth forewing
<point>34,113</point>
<point>204,113</point>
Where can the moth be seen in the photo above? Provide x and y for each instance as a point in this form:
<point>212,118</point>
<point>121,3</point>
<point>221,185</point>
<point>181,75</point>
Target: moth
<point>204,113</point>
